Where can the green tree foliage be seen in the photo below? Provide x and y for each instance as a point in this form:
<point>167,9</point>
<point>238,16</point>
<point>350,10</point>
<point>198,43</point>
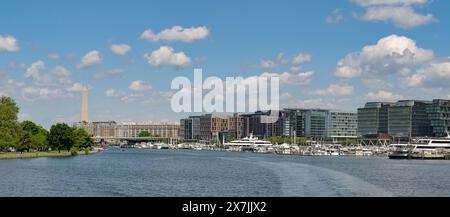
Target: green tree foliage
<point>10,130</point>
<point>61,137</point>
<point>24,143</point>
<point>8,109</point>
<point>38,135</point>
<point>82,139</point>
<point>349,142</point>
<point>145,134</point>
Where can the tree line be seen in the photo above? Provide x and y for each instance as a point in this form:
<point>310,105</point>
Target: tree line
<point>28,136</point>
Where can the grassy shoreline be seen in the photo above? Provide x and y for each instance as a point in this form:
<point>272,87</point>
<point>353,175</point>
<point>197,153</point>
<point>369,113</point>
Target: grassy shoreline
<point>36,154</point>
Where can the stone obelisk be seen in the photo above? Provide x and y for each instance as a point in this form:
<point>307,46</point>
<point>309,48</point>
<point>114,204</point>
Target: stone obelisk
<point>84,106</point>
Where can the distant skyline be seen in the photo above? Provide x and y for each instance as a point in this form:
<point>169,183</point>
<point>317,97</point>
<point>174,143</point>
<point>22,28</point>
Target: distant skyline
<point>328,54</point>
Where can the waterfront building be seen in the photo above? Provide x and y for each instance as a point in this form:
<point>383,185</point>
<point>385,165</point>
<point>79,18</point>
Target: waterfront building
<point>342,125</point>
<point>373,119</point>
<point>155,128</point>
<point>318,124</point>
<point>439,115</point>
<point>99,128</point>
<point>409,118</point>
<point>211,125</point>
<point>294,122</point>
<point>190,128</point>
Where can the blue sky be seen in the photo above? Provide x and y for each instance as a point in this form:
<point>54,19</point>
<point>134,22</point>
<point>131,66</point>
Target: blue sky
<point>388,50</point>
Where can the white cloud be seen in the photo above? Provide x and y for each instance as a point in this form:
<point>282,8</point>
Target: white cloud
<point>403,17</point>
<point>177,33</point>
<point>61,71</point>
<point>57,76</point>
<point>120,49</point>
<point>434,75</point>
<point>113,93</point>
<point>90,59</point>
<point>108,74</point>
<point>166,56</point>
<point>376,83</point>
<point>279,60</point>
<point>33,93</point>
<point>139,86</point>
<point>383,96</point>
<point>367,3</point>
<point>392,54</point>
<point>76,87</point>
<point>301,78</point>
<point>335,90</point>
<point>301,58</point>
<point>335,17</point>
<point>8,86</point>
<point>8,43</point>
<point>399,12</point>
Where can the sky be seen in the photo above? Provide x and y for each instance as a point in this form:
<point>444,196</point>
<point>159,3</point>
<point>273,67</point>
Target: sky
<point>327,54</point>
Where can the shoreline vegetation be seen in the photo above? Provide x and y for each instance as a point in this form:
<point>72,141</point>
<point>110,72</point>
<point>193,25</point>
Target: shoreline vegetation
<point>25,139</point>
<point>38,154</point>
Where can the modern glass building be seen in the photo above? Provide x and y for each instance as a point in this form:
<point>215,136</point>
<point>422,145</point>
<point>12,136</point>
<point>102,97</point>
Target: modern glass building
<point>342,125</point>
<point>190,128</point>
<point>320,124</point>
<point>316,123</point>
<point>373,119</point>
<point>409,118</point>
<point>439,115</point>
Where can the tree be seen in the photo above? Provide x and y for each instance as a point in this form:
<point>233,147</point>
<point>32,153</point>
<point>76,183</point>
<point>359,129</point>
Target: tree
<point>10,130</point>
<point>38,135</point>
<point>24,143</point>
<point>145,134</point>
<point>82,139</point>
<point>61,137</point>
<point>8,109</point>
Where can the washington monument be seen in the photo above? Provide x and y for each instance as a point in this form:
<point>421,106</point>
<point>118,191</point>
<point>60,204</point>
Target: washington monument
<point>84,106</point>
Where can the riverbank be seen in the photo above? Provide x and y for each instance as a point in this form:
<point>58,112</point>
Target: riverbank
<point>36,154</point>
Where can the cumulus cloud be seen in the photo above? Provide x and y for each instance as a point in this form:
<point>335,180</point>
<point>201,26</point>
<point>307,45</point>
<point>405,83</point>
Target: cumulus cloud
<point>8,86</point>
<point>279,60</point>
<point>383,96</point>
<point>376,83</point>
<point>392,54</point>
<point>40,75</point>
<point>166,56</point>
<point>90,59</point>
<point>399,12</point>
<point>335,17</point>
<point>113,93</point>
<point>301,78</point>
<point>367,3</point>
<point>33,93</point>
<point>139,85</point>
<point>301,58</point>
<point>8,43</point>
<point>120,49</point>
<point>61,71</point>
<point>433,75</point>
<point>335,90</point>
<point>177,33</point>
<point>404,17</point>
<point>76,87</point>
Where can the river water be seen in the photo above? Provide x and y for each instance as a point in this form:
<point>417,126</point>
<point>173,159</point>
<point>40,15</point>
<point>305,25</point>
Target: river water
<point>139,172</point>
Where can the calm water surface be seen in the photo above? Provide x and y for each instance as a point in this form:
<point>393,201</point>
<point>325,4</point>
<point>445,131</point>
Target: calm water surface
<point>138,172</point>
